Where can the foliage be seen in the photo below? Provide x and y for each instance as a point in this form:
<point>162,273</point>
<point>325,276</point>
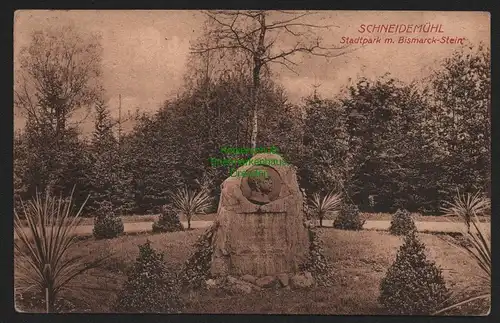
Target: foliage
<point>149,288</point>
<point>19,170</point>
<point>196,269</point>
<point>191,202</point>
<point>413,285</point>
<point>461,104</point>
<point>106,224</point>
<point>383,118</point>
<point>479,251</point>
<point>109,175</point>
<point>50,90</point>
<point>249,37</point>
<point>327,160</point>
<point>53,164</point>
<point>383,143</point>
<point>43,260</point>
<point>466,206</point>
<point>48,93</point>
<point>349,218</point>
<point>329,204</point>
<point>168,221</point>
<point>153,159</point>
<point>317,264</point>
<point>402,223</point>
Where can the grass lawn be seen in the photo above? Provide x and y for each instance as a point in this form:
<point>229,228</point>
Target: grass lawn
<point>210,217</point>
<point>360,260</point>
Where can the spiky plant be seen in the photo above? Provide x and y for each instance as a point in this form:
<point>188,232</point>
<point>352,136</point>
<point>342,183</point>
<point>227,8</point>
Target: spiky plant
<point>44,246</point>
<point>191,202</point>
<point>466,205</point>
<point>478,249</point>
<point>330,203</point>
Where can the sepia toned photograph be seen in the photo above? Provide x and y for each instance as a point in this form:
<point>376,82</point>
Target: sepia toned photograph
<point>252,162</point>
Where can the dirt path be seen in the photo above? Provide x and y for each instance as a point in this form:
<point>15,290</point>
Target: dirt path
<point>428,226</point>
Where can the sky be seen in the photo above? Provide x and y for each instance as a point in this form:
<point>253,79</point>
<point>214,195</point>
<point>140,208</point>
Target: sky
<point>146,52</point>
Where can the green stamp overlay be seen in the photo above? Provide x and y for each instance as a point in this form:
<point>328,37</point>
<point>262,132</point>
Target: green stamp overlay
<point>234,163</point>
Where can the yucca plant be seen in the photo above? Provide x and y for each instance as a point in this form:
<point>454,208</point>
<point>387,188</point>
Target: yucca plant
<point>44,241</point>
<point>191,202</point>
<point>478,249</point>
<point>466,205</point>
<point>330,203</point>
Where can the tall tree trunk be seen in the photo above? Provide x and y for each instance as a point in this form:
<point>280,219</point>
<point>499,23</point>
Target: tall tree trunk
<point>258,62</point>
<point>253,140</point>
<point>255,101</point>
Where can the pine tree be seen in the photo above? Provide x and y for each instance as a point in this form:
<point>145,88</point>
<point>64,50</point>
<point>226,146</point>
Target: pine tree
<point>104,150</point>
<point>150,288</point>
<point>106,224</point>
<point>349,218</point>
<point>402,223</point>
<point>168,222</point>
<point>413,285</point>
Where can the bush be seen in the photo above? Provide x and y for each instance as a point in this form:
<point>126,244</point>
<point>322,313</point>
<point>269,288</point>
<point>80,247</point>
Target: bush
<point>149,288</point>
<point>349,219</point>
<point>196,269</point>
<point>413,285</point>
<point>402,223</point>
<point>168,221</point>
<point>106,224</point>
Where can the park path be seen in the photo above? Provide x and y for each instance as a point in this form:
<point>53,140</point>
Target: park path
<point>138,227</point>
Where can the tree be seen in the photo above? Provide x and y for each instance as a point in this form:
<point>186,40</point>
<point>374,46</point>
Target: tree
<point>110,175</point>
<point>104,147</point>
<point>385,125</point>
<point>252,34</point>
<point>58,74</point>
<point>150,287</point>
<point>461,105</point>
<point>413,284</point>
<point>19,168</point>
<point>327,159</point>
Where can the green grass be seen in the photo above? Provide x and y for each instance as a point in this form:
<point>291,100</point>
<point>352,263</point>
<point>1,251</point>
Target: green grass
<point>360,260</point>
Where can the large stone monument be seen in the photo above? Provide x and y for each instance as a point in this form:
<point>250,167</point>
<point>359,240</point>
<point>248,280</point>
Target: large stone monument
<point>261,228</point>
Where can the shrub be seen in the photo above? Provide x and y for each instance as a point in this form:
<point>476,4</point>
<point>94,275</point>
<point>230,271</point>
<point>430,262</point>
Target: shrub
<point>149,288</point>
<point>323,206</point>
<point>349,218</point>
<point>402,223</point>
<point>413,285</point>
<point>191,202</point>
<point>106,224</point>
<point>44,248</point>
<point>196,269</point>
<point>317,264</point>
<point>478,248</point>
<point>466,206</point>
<point>168,221</point>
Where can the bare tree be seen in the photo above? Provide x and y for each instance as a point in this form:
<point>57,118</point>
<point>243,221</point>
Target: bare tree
<point>58,73</point>
<point>254,35</point>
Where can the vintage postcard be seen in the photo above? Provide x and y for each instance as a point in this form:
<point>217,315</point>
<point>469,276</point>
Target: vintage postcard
<point>252,161</point>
